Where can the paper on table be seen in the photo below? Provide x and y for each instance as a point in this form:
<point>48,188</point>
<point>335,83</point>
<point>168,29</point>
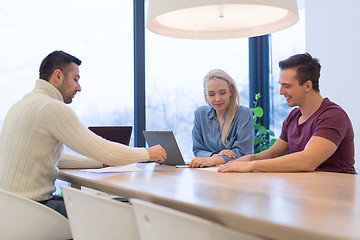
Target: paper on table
<point>210,169</point>
<point>125,168</point>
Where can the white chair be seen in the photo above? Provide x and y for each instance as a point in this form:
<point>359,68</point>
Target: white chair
<point>157,222</point>
<point>96,217</point>
<point>22,218</point>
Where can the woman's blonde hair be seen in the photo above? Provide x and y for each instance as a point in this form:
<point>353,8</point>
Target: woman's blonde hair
<point>234,101</point>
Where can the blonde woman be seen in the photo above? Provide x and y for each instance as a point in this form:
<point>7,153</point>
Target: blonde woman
<point>223,130</point>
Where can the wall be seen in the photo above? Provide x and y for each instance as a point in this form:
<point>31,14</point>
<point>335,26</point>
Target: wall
<point>332,35</point>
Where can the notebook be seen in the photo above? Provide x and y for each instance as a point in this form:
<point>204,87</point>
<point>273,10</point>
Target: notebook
<point>167,140</point>
<point>119,134</point>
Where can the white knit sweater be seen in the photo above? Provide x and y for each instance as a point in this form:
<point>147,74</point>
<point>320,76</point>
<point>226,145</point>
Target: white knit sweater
<point>32,139</point>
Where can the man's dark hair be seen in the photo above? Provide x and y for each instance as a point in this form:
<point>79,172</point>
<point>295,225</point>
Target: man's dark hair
<point>56,60</point>
<point>307,68</point>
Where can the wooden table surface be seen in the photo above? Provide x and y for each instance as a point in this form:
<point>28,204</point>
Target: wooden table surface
<point>316,205</point>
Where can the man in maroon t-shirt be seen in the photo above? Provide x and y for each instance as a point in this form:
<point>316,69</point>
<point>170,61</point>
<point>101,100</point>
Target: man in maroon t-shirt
<point>316,136</point>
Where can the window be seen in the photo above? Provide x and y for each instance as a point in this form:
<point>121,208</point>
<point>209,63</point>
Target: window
<point>102,37</point>
<point>174,72</point>
<point>100,33</point>
<point>284,44</point>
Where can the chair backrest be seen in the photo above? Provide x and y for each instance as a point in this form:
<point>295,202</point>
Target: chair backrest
<point>22,218</point>
<point>157,222</point>
<point>96,217</point>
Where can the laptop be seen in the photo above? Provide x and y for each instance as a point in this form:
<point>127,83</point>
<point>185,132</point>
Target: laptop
<point>119,134</point>
<point>167,140</point>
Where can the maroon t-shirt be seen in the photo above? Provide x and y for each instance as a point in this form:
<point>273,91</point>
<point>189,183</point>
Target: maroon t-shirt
<point>331,122</point>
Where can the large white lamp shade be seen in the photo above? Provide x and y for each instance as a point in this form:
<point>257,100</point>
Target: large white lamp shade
<point>220,19</point>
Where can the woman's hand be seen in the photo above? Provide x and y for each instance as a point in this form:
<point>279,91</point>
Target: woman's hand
<point>228,153</point>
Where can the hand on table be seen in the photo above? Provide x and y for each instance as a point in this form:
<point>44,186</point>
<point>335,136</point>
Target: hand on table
<point>242,164</point>
<point>228,153</point>
<point>206,162</point>
<point>157,153</point>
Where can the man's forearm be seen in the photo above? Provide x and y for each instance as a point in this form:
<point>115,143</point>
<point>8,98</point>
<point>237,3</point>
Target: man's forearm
<point>267,154</point>
<point>296,162</point>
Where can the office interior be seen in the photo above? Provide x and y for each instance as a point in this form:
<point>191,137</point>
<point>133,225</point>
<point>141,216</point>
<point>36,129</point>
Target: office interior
<point>331,35</point>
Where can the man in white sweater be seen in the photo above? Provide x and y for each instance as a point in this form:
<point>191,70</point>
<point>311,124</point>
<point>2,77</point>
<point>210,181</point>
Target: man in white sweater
<point>36,128</point>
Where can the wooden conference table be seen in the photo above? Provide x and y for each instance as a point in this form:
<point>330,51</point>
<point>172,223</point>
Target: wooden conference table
<point>315,205</point>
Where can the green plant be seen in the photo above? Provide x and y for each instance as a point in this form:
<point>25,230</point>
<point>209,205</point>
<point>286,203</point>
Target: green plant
<point>262,139</point>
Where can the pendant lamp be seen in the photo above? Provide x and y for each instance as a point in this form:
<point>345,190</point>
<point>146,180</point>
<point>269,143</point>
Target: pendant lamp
<point>220,19</point>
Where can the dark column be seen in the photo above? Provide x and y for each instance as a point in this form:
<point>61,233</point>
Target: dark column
<point>259,75</point>
<point>139,73</point>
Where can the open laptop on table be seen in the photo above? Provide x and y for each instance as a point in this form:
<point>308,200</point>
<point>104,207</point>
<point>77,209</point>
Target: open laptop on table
<point>119,134</point>
<point>167,140</point>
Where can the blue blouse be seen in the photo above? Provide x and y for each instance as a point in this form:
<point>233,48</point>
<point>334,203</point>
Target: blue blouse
<point>207,137</point>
